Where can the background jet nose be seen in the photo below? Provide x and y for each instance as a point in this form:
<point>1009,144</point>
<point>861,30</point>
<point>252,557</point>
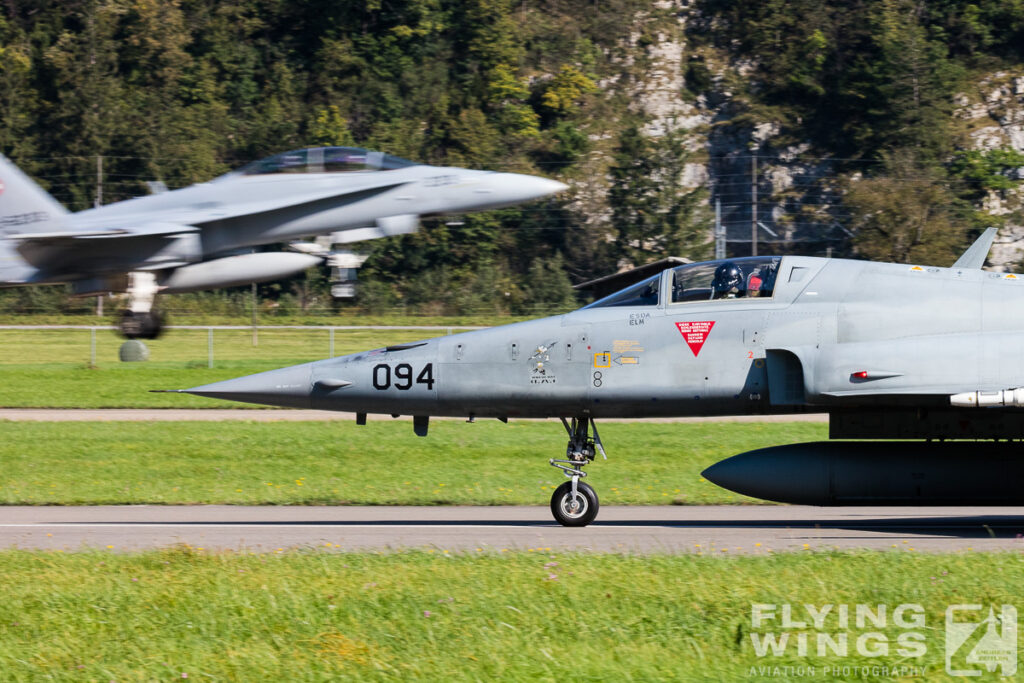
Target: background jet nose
<point>288,387</point>
<point>514,187</point>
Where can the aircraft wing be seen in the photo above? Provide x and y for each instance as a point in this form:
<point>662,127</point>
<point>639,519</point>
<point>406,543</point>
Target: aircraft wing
<point>62,249</point>
<point>143,230</point>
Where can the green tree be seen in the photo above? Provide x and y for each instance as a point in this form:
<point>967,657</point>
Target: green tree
<point>18,99</point>
<point>905,215</point>
<point>653,215</point>
<point>92,112</point>
<point>916,81</point>
<point>547,288</point>
<point>562,94</point>
<point>329,127</point>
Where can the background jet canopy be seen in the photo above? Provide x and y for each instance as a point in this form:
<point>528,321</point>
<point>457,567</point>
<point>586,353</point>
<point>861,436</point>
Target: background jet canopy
<point>325,160</point>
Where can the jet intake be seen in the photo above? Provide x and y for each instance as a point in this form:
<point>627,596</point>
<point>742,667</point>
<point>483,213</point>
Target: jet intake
<point>877,473</point>
<point>236,270</point>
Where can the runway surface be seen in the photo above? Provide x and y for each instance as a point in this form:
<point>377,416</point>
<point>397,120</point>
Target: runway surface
<point>636,529</point>
<point>273,415</point>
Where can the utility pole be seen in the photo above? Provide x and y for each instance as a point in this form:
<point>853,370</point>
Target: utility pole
<point>99,181</point>
<point>255,302</point>
<point>99,202</point>
<point>753,204</point>
<point>719,231</point>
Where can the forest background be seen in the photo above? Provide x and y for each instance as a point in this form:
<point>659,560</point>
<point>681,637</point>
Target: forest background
<point>883,129</point>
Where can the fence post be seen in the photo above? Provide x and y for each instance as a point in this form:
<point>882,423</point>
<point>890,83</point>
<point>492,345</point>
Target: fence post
<point>331,354</point>
<point>209,347</point>
<point>255,332</point>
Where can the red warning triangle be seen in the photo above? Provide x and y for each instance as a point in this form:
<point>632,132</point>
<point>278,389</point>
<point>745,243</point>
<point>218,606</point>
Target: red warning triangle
<point>695,333</point>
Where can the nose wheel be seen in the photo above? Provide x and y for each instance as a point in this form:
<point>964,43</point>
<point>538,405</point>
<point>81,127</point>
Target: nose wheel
<point>146,325</point>
<point>140,320</point>
<point>575,503</point>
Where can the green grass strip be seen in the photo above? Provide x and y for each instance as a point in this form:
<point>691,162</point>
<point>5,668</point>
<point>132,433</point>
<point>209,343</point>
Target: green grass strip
<point>383,463</point>
<point>321,616</point>
<point>51,368</point>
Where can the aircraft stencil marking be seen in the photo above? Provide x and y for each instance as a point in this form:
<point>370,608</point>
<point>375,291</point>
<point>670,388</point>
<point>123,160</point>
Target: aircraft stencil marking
<point>626,346</point>
<point>638,318</point>
<point>403,373</point>
<point>695,332</point>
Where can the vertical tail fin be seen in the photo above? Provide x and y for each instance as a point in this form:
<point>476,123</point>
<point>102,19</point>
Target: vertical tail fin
<point>24,206</point>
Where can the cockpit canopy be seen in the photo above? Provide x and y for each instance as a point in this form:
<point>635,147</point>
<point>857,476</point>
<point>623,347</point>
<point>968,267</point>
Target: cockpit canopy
<point>325,160</point>
<point>738,278</point>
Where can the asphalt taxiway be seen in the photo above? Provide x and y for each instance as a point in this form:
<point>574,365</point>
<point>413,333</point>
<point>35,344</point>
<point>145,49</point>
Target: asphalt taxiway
<point>635,529</point>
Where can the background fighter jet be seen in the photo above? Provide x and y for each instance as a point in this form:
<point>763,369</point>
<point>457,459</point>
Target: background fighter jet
<point>186,240</point>
<point>889,351</point>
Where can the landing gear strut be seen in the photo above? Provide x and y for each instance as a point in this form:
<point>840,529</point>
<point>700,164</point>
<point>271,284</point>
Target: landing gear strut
<point>575,503</point>
<point>140,320</point>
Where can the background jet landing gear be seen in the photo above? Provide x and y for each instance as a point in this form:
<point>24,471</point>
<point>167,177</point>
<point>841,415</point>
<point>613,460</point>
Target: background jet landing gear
<point>135,325</point>
<point>141,320</point>
<point>575,503</point>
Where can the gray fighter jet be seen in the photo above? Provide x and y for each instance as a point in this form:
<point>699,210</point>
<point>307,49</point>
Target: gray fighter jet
<point>911,352</point>
<point>190,239</point>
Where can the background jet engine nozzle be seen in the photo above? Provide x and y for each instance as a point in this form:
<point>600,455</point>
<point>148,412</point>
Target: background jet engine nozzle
<point>877,473</point>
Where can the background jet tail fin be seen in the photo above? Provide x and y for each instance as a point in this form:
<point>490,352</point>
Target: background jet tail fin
<point>24,206</point>
<point>976,254</point>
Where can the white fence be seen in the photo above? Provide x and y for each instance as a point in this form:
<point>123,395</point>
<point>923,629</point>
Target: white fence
<point>305,339</point>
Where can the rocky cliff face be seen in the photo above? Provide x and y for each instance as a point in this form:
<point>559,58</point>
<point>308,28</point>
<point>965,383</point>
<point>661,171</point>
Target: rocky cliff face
<point>993,115</point>
<point>798,191</point>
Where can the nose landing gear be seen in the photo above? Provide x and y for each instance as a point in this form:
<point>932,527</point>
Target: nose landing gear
<point>140,320</point>
<point>575,503</point>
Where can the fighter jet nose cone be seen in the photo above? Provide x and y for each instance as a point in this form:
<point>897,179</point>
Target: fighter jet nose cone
<point>554,187</point>
<point>287,387</point>
<point>517,187</point>
<point>546,186</point>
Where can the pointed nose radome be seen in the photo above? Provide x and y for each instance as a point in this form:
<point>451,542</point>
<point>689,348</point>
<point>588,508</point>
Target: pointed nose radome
<point>515,187</point>
<point>288,387</point>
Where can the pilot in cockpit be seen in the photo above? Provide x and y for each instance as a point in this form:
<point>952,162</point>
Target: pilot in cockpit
<point>762,281</point>
<point>729,282</point>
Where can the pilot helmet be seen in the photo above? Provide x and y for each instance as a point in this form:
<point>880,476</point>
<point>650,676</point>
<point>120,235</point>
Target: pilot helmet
<point>728,277</point>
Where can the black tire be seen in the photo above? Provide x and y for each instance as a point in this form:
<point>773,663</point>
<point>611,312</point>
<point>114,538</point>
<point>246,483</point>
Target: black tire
<point>141,325</point>
<point>561,505</point>
<point>129,325</point>
<point>154,326</point>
